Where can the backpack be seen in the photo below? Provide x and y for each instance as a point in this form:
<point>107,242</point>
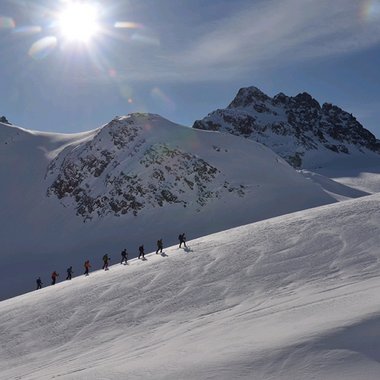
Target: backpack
<point>180,237</point>
<point>105,258</point>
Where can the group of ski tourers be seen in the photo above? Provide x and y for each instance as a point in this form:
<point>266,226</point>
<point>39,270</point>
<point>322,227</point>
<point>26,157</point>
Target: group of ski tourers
<point>107,259</point>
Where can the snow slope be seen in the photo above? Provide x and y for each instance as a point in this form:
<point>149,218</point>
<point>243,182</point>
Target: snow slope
<point>293,297</point>
<point>344,179</point>
<point>363,173</point>
<point>137,179</point>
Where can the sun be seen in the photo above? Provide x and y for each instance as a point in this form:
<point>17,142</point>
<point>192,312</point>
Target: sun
<point>78,21</point>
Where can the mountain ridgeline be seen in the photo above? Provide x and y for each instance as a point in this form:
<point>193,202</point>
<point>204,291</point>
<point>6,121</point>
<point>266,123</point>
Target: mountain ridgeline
<point>142,161</point>
<point>299,129</point>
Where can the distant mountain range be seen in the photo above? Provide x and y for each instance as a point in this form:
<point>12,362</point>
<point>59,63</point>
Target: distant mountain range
<point>299,129</point>
<point>140,177</point>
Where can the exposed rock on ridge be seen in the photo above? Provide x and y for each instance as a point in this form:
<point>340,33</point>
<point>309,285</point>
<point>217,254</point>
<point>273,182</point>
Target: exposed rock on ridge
<point>122,171</point>
<point>3,119</point>
<point>293,127</point>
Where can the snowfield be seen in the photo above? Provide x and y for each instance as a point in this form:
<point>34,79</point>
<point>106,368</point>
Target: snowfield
<point>293,297</point>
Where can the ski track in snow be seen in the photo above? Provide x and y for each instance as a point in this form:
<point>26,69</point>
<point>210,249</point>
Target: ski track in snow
<point>293,297</point>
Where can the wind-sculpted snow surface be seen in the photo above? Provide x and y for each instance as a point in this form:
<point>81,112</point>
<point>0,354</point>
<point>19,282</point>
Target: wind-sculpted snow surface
<point>290,298</point>
<point>299,129</point>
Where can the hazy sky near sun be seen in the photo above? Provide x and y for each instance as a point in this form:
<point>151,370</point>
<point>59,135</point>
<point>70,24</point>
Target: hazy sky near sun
<point>184,59</point>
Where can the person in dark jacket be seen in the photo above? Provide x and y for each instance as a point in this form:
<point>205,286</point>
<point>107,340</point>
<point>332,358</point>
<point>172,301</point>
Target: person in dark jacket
<point>141,252</point>
<point>87,267</point>
<point>124,256</point>
<point>106,260</point>
<point>39,283</point>
<point>54,276</point>
<point>69,273</point>
<point>160,246</point>
<point>182,240</point>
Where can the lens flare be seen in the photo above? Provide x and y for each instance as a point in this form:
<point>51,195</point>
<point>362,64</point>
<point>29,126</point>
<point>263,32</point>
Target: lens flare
<point>43,47</point>
<point>112,73</point>
<point>27,30</point>
<point>162,98</point>
<point>125,91</point>
<point>7,23</point>
<point>371,10</point>
<point>128,25</point>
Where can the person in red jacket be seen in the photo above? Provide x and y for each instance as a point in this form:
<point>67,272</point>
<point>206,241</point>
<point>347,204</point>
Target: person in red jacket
<point>87,267</point>
<point>54,276</point>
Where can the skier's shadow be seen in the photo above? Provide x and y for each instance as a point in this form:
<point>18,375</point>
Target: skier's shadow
<point>163,254</point>
<point>188,249</point>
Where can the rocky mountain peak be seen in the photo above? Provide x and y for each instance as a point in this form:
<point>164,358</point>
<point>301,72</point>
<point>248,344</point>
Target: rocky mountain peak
<point>296,128</point>
<point>306,100</point>
<point>249,97</point>
<point>337,112</point>
<point>281,98</point>
<point>4,120</point>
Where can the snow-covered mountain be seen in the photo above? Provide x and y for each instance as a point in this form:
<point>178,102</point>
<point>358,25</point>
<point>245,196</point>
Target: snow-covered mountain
<point>290,298</point>
<point>306,134</point>
<point>132,164</point>
<point>65,198</point>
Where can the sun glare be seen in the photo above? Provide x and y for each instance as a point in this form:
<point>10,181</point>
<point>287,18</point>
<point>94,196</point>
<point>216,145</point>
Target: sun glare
<point>79,21</point>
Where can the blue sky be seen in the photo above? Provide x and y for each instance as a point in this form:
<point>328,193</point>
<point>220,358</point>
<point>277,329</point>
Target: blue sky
<point>184,59</point>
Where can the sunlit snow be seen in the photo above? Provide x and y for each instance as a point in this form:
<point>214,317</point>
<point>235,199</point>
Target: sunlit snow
<point>294,297</point>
